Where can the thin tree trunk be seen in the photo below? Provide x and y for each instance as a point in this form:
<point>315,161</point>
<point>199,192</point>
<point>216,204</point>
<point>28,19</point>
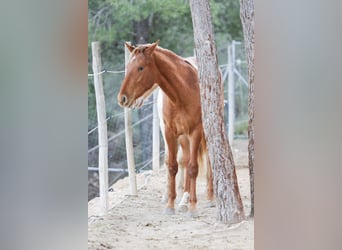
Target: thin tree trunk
<point>228,200</point>
<point>141,30</point>
<point>247,18</point>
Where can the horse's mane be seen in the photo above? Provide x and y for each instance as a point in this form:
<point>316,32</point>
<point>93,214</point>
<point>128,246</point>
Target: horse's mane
<point>168,53</point>
<point>191,61</point>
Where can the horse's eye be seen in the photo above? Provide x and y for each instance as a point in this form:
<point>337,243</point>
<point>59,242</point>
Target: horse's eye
<point>140,68</point>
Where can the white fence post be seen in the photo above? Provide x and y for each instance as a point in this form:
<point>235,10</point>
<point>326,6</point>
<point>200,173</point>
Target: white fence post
<point>155,135</point>
<point>231,92</point>
<point>102,127</point>
<point>129,142</point>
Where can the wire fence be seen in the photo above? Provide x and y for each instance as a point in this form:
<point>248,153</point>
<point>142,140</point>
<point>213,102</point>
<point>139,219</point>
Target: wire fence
<point>142,133</point>
<point>142,124</point>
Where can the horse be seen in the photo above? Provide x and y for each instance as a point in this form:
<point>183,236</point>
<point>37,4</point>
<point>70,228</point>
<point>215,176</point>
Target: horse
<point>149,67</point>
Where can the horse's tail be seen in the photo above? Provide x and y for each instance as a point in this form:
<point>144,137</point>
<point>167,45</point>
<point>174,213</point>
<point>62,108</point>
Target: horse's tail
<point>204,170</point>
<point>203,160</point>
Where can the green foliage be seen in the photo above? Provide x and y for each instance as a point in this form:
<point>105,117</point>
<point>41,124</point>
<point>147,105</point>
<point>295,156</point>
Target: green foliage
<point>226,20</point>
<point>111,22</point>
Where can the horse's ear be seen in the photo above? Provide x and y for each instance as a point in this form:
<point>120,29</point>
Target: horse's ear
<point>129,46</point>
<point>149,50</point>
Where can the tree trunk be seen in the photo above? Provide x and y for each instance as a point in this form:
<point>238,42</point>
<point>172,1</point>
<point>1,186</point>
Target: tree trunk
<point>228,200</point>
<point>247,19</point>
<point>140,31</point>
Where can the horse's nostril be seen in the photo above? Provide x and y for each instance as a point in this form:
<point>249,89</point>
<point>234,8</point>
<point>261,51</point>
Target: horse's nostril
<point>123,99</point>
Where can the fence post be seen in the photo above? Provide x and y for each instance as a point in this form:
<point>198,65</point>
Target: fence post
<point>155,135</point>
<point>129,142</point>
<point>102,127</point>
<point>231,94</point>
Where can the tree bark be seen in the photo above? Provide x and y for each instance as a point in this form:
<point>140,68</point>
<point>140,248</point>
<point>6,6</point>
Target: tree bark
<point>247,19</point>
<point>228,199</point>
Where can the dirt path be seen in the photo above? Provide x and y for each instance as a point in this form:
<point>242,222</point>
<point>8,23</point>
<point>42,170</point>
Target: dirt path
<point>139,222</point>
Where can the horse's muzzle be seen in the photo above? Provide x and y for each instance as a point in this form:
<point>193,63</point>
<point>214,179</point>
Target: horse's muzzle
<point>123,100</point>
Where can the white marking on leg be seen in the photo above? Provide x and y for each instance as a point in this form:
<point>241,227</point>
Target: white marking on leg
<point>185,199</point>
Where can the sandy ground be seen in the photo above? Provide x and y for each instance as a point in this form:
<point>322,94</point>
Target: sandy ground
<point>138,222</point>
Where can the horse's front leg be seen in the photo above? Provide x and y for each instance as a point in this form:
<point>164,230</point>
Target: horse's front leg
<point>167,181</point>
<point>180,175</point>
<point>173,168</point>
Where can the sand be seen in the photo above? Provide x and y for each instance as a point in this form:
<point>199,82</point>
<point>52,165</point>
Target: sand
<point>138,222</point>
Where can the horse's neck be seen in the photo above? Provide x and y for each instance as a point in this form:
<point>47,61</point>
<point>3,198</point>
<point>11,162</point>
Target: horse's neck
<point>171,81</point>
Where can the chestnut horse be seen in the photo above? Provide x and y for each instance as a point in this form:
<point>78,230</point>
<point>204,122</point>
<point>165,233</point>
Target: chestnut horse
<point>151,66</point>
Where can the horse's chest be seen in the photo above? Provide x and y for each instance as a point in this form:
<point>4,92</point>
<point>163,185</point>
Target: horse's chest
<point>180,126</point>
<point>181,123</point>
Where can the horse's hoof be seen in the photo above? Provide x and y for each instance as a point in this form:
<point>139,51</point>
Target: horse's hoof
<point>210,203</point>
<point>192,214</point>
<point>169,211</point>
<point>182,208</point>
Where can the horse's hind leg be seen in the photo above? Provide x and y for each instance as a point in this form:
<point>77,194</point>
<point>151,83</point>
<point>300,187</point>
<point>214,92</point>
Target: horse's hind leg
<point>192,170</point>
<point>204,163</point>
<point>210,189</point>
<point>184,161</point>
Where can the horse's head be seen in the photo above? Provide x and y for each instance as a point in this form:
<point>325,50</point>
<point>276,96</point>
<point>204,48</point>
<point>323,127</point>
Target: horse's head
<point>139,81</point>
